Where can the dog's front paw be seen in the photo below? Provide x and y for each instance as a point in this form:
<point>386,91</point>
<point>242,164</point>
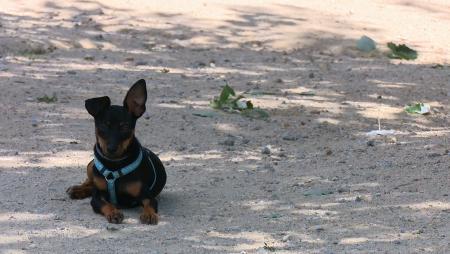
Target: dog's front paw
<point>79,192</point>
<point>149,218</point>
<point>115,216</point>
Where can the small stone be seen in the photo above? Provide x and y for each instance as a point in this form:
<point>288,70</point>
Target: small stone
<point>328,152</point>
<point>371,143</point>
<point>279,80</point>
<point>317,228</point>
<point>112,228</point>
<point>71,72</point>
<point>286,238</point>
<point>434,155</point>
<point>358,199</point>
<point>311,75</point>
<point>140,62</point>
<point>227,142</point>
<point>266,150</point>
<point>99,37</point>
<point>181,148</point>
<point>89,58</point>
<point>289,136</point>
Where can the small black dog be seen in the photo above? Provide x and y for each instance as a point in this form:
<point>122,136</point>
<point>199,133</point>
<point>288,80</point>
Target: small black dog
<point>123,173</point>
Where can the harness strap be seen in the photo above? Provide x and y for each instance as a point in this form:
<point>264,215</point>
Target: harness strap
<point>112,176</point>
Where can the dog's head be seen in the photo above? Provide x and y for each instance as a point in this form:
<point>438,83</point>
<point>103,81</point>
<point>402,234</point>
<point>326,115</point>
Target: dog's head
<point>114,125</point>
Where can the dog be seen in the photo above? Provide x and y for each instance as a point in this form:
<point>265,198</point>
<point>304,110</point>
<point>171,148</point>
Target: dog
<point>123,173</point>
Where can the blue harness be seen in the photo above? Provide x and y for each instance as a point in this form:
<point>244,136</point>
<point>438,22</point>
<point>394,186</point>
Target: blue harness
<point>112,176</point>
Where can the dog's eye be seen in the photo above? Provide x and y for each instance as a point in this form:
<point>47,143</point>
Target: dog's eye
<point>124,127</point>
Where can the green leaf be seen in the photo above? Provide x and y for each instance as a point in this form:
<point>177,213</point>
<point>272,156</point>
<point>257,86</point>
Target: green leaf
<point>214,104</point>
<point>418,108</point>
<point>226,92</point>
<point>48,99</point>
<point>401,51</point>
<point>229,102</point>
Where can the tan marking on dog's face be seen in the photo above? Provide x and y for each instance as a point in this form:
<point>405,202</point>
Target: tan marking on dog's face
<point>123,147</point>
<point>101,141</point>
<point>134,189</point>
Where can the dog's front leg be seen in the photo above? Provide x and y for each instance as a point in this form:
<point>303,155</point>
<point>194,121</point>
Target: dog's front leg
<point>149,214</point>
<point>100,205</point>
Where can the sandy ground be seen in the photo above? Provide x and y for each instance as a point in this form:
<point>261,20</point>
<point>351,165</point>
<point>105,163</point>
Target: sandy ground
<point>322,189</point>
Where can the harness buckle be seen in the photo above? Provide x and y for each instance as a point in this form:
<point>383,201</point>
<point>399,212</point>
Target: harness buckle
<point>110,177</point>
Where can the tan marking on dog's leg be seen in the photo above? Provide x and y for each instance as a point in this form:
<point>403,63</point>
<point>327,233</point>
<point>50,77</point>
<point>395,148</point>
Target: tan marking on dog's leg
<point>149,215</point>
<point>83,190</point>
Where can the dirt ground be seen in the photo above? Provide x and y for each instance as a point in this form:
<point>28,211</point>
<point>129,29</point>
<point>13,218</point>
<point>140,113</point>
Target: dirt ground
<point>306,180</point>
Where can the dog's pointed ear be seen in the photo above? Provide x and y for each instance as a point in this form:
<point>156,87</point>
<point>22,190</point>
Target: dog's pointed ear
<point>135,99</point>
<point>95,106</point>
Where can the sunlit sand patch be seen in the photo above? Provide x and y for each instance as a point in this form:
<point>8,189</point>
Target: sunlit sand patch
<point>247,240</point>
<point>17,216</point>
<point>259,205</point>
<point>168,105</point>
<point>45,160</point>
<point>315,212</point>
<point>175,156</point>
<point>382,237</point>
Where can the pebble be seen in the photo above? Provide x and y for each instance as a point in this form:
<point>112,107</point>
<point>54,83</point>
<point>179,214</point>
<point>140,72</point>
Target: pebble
<point>228,142</point>
<point>71,72</point>
<point>371,143</point>
<point>286,238</point>
<point>140,62</point>
<point>266,150</point>
<point>89,58</point>
<point>289,136</point>
<point>181,148</point>
<point>111,228</point>
<point>245,141</point>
